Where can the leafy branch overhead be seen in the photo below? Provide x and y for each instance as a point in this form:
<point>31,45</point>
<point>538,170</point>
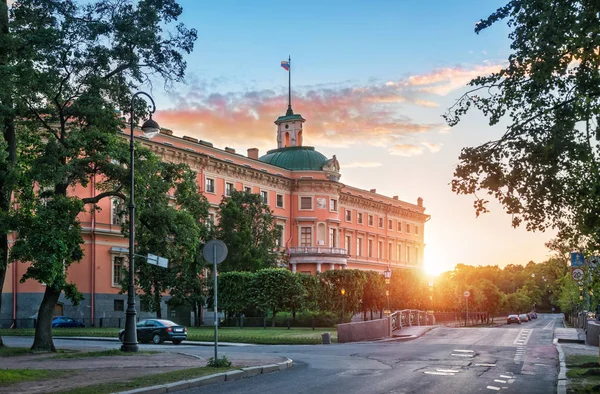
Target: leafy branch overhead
<point>543,168</point>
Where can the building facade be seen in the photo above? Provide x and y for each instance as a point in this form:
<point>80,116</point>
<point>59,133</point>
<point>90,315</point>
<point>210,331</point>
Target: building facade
<point>326,224</point>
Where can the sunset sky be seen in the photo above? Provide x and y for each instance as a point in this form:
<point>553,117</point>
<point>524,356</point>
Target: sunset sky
<point>372,79</point>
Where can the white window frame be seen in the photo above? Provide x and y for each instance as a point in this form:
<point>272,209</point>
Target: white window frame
<point>332,237</point>
<point>348,244</point>
<point>302,237</point>
<point>390,224</point>
<point>348,216</point>
<point>407,228</point>
<point>333,205</point>
<point>210,181</point>
<point>390,251</point>
<point>359,249</point>
<point>264,195</point>
<point>380,222</point>
<point>113,213</point>
<point>416,230</point>
<point>370,221</point>
<point>277,196</point>
<point>113,264</point>
<point>359,217</point>
<point>369,248</point>
<point>399,229</point>
<point>380,250</point>
<point>300,203</point>
<point>248,189</point>
<point>229,188</point>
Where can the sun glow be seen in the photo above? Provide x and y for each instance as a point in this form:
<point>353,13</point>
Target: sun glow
<point>434,264</point>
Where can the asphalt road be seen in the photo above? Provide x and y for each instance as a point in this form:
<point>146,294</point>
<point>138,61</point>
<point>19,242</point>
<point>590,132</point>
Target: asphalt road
<point>510,358</point>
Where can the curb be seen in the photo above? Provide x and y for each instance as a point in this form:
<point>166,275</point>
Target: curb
<point>192,343</point>
<point>561,386</point>
<point>237,374</point>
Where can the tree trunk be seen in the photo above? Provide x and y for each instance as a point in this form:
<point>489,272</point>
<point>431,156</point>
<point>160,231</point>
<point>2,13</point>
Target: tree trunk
<point>8,133</point>
<point>157,303</point>
<point>273,322</point>
<point>42,341</point>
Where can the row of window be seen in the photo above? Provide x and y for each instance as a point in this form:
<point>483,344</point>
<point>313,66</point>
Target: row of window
<point>209,187</point>
<point>306,240</point>
<point>371,222</point>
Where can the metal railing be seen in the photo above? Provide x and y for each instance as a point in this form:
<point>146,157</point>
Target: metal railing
<point>317,250</point>
<point>411,317</point>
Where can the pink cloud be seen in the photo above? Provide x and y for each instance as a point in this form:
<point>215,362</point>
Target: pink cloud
<point>361,164</point>
<point>406,150</point>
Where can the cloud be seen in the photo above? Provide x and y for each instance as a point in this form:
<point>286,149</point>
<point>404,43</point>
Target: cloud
<point>445,80</point>
<point>433,148</point>
<point>406,150</point>
<point>339,114</point>
<point>361,164</point>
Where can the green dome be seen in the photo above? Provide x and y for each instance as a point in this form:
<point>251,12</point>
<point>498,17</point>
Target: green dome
<point>295,158</point>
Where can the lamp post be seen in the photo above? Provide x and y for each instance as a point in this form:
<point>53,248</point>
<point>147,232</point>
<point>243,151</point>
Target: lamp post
<point>387,275</point>
<point>150,129</point>
<point>343,293</point>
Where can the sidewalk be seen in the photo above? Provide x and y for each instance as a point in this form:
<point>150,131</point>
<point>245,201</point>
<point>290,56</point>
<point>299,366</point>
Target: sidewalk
<point>570,342</point>
<point>187,342</point>
<point>84,372</point>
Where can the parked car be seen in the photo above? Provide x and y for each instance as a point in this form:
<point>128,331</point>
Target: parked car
<point>158,331</point>
<point>532,315</point>
<point>66,322</point>
<point>513,319</point>
<point>524,318</point>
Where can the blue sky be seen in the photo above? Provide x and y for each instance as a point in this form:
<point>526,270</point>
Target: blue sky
<point>372,78</point>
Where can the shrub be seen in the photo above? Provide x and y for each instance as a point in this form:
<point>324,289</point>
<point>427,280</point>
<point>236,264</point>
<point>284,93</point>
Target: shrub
<point>222,362</point>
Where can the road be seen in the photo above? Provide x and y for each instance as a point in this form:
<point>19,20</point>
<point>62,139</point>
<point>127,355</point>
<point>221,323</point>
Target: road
<point>509,358</point>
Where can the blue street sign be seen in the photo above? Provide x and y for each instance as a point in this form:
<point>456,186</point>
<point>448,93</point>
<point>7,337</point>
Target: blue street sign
<point>577,259</point>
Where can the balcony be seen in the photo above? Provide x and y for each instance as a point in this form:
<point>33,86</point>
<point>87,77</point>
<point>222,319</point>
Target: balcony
<point>317,250</point>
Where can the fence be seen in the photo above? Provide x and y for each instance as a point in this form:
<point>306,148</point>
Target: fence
<point>285,322</point>
<point>101,322</point>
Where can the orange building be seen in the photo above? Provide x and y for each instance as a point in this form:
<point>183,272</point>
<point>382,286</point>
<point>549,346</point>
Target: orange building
<point>326,224</point>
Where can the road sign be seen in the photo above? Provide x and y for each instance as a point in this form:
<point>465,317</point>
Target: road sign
<point>594,261</point>
<point>215,248</point>
<point>577,273</point>
<point>157,260</point>
<point>577,259</point>
<point>467,293</point>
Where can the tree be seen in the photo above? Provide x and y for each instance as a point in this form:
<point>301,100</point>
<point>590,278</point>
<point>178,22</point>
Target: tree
<point>544,168</point>
<point>170,231</point>
<point>374,297</point>
<point>8,141</point>
<point>248,228</point>
<point>75,66</point>
<point>234,291</point>
<point>352,281</point>
<point>276,290</point>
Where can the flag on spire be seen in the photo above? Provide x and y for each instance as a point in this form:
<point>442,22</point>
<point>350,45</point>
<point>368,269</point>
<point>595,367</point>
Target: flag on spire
<point>285,64</point>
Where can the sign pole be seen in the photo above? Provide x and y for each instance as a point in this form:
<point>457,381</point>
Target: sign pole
<point>215,302</point>
<point>467,321</point>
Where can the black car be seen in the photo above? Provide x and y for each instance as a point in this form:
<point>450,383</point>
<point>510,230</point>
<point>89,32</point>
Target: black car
<point>66,322</point>
<point>158,331</point>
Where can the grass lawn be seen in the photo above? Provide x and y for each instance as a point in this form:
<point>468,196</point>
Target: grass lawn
<point>584,374</point>
<point>268,336</point>
<point>12,376</point>
<point>151,380</point>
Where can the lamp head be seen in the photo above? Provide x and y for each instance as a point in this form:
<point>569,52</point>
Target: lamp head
<point>343,291</point>
<point>387,273</point>
<point>150,128</point>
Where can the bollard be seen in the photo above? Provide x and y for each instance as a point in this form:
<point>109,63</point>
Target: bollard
<point>326,337</point>
<point>313,323</point>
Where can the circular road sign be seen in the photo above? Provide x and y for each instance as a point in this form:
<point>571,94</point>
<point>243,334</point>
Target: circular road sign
<point>215,250</point>
<point>577,274</point>
<point>467,293</point>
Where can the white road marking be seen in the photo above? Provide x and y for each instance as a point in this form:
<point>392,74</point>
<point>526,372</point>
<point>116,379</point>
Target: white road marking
<point>493,388</point>
<point>448,370</point>
<point>485,365</point>
<point>439,373</point>
<point>462,355</point>
<point>550,325</point>
<point>464,351</point>
<point>511,381</point>
<point>506,377</point>
<point>542,365</point>
<point>526,334</point>
<point>499,381</point>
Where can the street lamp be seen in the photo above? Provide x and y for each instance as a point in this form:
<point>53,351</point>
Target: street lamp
<point>150,129</point>
<point>387,274</point>
<point>343,293</point>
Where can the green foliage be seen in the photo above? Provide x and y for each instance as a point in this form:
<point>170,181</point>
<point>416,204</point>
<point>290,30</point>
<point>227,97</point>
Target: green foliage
<point>544,168</point>
<point>234,290</point>
<point>71,66</point>
<point>248,228</point>
<point>222,362</point>
<point>276,289</point>
<point>13,376</point>
<point>351,281</point>
<point>374,297</point>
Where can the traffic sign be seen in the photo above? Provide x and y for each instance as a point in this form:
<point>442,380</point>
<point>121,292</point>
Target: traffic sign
<point>577,274</point>
<point>215,251</point>
<point>467,293</point>
<point>577,259</point>
<point>157,260</point>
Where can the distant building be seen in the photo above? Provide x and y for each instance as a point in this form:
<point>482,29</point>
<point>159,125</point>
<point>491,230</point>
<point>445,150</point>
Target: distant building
<point>326,224</point>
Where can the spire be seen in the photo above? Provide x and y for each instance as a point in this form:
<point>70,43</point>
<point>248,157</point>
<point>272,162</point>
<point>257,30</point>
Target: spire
<point>289,110</point>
